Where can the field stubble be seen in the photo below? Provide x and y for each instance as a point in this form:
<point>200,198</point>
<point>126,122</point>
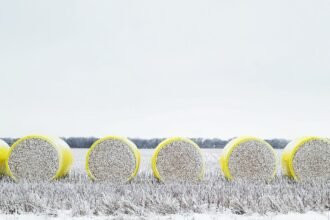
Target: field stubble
<point>145,196</point>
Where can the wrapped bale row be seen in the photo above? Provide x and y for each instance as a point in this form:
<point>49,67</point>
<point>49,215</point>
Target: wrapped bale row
<point>117,160</point>
<point>250,158</point>
<point>306,158</point>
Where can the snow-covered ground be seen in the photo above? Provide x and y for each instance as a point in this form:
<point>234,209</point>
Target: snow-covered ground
<point>208,216</point>
<point>144,198</point>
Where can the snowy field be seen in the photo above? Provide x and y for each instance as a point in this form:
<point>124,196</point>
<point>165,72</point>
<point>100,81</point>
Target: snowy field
<point>145,198</point>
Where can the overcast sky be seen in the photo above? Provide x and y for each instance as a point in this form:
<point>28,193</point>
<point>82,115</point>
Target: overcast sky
<point>208,68</point>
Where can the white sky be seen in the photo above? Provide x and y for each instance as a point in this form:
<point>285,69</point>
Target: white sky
<point>208,68</point>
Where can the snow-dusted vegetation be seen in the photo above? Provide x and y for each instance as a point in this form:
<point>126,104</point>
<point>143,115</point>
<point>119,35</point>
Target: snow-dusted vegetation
<point>144,196</point>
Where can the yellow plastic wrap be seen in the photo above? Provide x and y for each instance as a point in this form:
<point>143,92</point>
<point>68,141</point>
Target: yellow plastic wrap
<point>63,149</point>
<point>289,153</point>
<point>226,153</point>
<point>4,150</point>
<point>131,145</point>
<point>166,142</point>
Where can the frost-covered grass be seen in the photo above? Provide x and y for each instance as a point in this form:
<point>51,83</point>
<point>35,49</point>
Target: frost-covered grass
<point>145,196</point>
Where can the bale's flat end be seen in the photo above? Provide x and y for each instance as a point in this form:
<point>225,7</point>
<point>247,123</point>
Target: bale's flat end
<point>248,158</point>
<point>113,159</point>
<point>177,159</point>
<point>39,158</point>
<point>307,158</point>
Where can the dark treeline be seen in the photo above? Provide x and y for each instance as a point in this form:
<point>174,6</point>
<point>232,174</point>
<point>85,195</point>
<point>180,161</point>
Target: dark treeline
<point>86,142</point>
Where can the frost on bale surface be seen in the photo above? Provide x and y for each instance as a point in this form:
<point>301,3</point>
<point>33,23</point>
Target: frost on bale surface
<point>34,159</point>
<point>179,161</point>
<point>312,160</point>
<point>112,160</point>
<point>252,160</point>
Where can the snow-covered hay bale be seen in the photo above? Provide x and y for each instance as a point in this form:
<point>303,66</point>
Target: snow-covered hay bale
<point>39,158</point>
<point>307,158</point>
<point>113,159</point>
<point>248,158</point>
<point>178,159</point>
<point>4,150</point>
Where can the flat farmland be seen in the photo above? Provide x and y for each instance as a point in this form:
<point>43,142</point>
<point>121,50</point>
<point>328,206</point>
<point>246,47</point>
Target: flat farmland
<point>145,197</point>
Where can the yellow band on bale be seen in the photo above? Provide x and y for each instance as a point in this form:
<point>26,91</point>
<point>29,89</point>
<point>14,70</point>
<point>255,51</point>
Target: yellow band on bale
<point>291,150</point>
<point>4,150</point>
<point>64,154</point>
<point>133,148</point>
<point>235,143</point>
<point>167,142</point>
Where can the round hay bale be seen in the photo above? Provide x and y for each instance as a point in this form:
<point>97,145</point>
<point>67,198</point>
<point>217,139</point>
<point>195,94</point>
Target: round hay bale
<point>113,159</point>
<point>307,158</point>
<point>4,150</point>
<point>248,158</point>
<point>39,158</point>
<point>178,159</point>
